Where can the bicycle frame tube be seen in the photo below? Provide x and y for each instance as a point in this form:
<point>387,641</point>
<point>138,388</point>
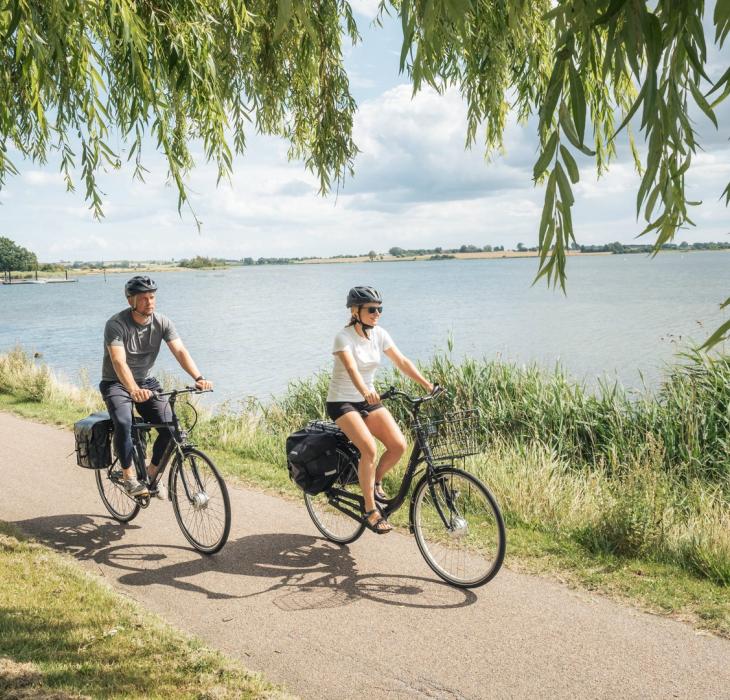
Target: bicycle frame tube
<point>354,504</point>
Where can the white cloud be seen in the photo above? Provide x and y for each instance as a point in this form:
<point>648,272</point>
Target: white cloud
<point>40,178</point>
<point>369,8</point>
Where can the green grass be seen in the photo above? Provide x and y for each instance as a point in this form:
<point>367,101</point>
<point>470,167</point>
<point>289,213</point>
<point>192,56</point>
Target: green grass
<point>627,516</point>
<point>65,634</point>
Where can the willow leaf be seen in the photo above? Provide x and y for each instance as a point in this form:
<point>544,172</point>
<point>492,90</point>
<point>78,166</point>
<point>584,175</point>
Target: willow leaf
<point>570,163</point>
<point>546,156</point>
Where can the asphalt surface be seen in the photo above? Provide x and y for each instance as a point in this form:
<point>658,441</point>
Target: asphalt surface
<point>368,620</point>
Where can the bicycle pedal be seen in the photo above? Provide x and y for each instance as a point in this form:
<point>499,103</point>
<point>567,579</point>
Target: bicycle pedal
<point>143,501</point>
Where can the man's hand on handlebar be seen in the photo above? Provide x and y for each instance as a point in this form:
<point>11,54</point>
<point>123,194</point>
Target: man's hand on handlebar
<point>203,385</point>
<point>140,395</point>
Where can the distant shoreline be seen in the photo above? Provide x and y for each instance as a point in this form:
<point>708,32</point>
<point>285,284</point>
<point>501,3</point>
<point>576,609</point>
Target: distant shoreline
<point>446,256</point>
<point>381,258</point>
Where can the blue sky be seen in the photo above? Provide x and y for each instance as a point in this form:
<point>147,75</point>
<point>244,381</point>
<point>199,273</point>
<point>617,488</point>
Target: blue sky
<point>414,186</point>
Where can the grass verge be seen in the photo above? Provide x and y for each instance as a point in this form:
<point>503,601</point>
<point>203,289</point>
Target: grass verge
<point>63,634</point>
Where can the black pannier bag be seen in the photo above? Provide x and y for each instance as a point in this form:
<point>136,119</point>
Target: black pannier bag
<point>93,441</point>
<point>312,456</point>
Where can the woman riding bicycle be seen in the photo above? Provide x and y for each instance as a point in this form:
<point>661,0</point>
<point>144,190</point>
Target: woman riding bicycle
<point>355,406</point>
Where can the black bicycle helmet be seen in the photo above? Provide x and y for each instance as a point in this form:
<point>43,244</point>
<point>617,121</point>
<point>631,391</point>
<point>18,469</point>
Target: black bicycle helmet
<point>358,296</point>
<point>139,284</point>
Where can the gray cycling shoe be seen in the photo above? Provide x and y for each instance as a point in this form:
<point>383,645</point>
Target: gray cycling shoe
<point>134,488</point>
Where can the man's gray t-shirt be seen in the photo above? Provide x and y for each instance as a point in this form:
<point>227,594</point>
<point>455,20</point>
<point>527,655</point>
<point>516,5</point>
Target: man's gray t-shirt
<point>141,343</point>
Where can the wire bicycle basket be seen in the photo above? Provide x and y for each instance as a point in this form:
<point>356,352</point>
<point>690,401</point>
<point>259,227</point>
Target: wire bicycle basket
<point>451,436</point>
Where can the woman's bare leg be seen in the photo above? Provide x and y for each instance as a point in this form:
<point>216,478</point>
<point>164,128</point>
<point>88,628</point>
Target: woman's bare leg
<point>382,425</point>
<point>354,427</point>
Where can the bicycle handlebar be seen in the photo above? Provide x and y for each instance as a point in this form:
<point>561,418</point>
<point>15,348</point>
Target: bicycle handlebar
<point>186,390</point>
<point>414,400</point>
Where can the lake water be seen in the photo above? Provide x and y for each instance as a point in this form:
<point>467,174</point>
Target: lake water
<point>253,329</point>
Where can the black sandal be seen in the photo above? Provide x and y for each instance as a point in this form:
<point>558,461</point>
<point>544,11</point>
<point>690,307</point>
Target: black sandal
<point>375,526</point>
<point>384,498</point>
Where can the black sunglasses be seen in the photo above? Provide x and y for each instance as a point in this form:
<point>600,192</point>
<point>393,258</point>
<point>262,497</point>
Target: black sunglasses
<point>373,309</point>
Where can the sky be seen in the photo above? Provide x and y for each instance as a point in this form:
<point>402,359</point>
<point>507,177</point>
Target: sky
<point>415,186</point>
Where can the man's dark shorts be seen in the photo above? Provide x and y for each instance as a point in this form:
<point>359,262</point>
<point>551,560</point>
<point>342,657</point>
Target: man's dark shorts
<point>337,409</point>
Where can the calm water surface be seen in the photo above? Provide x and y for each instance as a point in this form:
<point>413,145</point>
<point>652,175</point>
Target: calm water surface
<point>253,329</point>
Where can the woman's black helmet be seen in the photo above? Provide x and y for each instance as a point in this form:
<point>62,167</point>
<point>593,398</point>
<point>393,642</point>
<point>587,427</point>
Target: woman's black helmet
<point>358,296</point>
<point>139,284</point>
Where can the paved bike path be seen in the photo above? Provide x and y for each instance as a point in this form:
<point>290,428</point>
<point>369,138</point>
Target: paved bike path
<point>365,620</point>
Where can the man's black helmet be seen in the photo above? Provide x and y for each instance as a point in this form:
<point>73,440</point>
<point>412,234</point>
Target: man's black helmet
<point>358,296</point>
<point>140,284</point>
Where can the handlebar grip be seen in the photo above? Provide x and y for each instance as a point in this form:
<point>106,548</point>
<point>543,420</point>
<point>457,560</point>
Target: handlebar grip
<point>388,393</point>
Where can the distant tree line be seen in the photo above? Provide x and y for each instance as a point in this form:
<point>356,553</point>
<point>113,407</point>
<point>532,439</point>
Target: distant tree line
<point>15,258</point>
<point>199,262</point>
<point>626,248</point>
<point>398,252</point>
<point>270,261</point>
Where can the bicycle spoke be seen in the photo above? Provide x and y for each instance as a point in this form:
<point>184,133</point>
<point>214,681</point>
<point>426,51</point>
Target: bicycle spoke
<point>458,528</point>
<point>117,502</point>
<point>331,522</point>
<point>200,500</point>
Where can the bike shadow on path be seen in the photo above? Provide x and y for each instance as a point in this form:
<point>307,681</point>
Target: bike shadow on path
<point>299,572</point>
<point>81,535</point>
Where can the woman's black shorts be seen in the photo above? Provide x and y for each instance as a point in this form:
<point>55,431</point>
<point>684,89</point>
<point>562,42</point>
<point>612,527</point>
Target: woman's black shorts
<point>336,409</point>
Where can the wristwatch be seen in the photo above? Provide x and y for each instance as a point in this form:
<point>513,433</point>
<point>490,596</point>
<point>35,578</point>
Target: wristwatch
<point>200,378</point>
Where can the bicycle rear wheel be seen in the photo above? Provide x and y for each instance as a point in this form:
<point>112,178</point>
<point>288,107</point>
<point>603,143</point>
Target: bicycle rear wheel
<point>335,525</point>
<point>458,527</point>
<point>121,506</point>
<point>200,500</point>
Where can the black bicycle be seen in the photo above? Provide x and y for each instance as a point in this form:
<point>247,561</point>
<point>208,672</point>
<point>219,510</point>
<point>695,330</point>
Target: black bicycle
<point>197,490</point>
<point>455,519</point>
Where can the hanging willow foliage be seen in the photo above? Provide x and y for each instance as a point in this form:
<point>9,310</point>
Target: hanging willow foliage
<point>74,71</point>
<point>579,66</point>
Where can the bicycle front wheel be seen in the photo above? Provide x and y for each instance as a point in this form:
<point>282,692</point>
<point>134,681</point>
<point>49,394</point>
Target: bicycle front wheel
<point>458,527</point>
<point>200,500</point>
<point>335,525</point>
<point>121,506</point>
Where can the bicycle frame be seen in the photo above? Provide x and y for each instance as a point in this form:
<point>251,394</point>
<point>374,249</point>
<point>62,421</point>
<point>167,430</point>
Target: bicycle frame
<point>177,445</point>
<point>353,505</point>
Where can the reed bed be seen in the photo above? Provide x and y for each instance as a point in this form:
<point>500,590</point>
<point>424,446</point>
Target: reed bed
<point>685,424</point>
<point>633,474</point>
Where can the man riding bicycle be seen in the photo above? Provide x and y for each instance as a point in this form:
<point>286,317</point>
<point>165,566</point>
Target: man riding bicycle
<point>132,341</point>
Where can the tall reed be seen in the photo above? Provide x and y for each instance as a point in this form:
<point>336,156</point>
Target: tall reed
<point>685,424</point>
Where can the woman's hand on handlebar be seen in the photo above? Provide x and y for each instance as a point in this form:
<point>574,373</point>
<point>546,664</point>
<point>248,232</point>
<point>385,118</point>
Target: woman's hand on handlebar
<point>372,397</point>
<point>203,385</point>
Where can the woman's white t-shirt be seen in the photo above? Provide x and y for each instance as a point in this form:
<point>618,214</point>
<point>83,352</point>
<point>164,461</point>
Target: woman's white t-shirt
<point>367,353</point>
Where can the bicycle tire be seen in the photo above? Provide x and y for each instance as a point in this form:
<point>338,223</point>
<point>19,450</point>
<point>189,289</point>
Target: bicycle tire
<point>120,506</point>
<point>200,500</point>
<point>458,525</point>
<point>335,525</point>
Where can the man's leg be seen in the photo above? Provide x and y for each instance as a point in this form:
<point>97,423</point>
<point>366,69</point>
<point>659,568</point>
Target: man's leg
<point>119,404</point>
<point>156,410</point>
